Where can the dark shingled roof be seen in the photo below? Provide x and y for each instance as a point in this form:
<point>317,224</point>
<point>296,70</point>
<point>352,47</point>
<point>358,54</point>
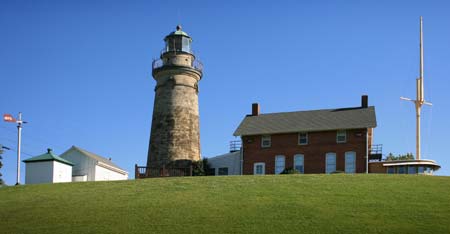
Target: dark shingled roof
<point>308,121</point>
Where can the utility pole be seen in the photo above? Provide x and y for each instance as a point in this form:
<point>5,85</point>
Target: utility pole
<point>420,99</point>
<point>20,122</point>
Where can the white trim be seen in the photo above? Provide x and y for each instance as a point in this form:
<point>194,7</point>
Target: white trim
<point>409,163</point>
<point>367,150</point>
<point>269,139</point>
<point>337,136</point>
<point>259,164</point>
<point>104,165</point>
<point>307,138</point>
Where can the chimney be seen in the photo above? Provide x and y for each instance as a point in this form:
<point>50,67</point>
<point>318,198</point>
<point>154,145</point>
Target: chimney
<point>364,101</point>
<point>255,109</point>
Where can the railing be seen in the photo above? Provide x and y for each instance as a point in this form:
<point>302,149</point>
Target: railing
<point>235,146</point>
<point>152,172</point>
<point>165,50</point>
<point>376,152</point>
<point>196,64</point>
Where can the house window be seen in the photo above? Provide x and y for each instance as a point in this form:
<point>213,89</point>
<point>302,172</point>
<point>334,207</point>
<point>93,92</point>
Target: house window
<point>330,163</point>
<point>303,138</point>
<point>401,170</point>
<point>259,168</point>
<point>350,162</point>
<point>279,164</point>
<point>299,160</point>
<point>412,170</point>
<point>391,170</point>
<point>341,136</point>
<point>266,141</point>
<point>223,171</point>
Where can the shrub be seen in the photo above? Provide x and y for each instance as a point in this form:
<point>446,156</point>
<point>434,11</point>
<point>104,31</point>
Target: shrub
<point>290,171</point>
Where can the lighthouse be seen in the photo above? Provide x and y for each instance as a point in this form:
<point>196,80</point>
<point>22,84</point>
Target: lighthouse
<point>175,132</point>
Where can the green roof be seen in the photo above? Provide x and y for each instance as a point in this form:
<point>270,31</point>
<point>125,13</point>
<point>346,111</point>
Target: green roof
<point>308,121</point>
<point>49,156</point>
<point>178,32</point>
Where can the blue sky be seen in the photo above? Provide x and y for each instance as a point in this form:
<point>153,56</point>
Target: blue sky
<point>80,71</point>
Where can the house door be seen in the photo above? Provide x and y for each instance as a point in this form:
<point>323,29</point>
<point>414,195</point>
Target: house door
<point>330,163</point>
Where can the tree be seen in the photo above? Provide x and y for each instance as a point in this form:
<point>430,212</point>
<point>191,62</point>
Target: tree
<point>201,168</point>
<point>392,157</point>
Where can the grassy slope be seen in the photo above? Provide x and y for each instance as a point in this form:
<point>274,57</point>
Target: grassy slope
<point>264,204</point>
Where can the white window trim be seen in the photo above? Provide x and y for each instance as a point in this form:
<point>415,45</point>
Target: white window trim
<point>337,136</point>
<point>307,138</point>
<point>262,141</point>
<point>303,160</point>
<point>284,163</point>
<point>263,167</point>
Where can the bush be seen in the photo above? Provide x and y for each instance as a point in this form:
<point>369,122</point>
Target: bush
<point>290,171</point>
<point>201,167</point>
<point>337,172</point>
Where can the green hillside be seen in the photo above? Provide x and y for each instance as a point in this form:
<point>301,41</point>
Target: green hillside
<point>234,204</point>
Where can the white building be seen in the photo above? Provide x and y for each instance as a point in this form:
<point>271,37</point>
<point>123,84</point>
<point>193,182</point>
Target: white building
<point>47,168</point>
<point>226,164</point>
<point>92,167</point>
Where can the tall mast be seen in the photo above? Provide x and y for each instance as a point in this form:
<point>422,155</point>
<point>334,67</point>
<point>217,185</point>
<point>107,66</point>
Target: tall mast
<point>420,100</point>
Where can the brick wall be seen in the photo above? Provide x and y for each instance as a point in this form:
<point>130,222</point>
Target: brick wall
<point>319,143</point>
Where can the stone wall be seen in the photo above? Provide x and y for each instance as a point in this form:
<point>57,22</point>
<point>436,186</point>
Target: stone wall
<point>175,132</point>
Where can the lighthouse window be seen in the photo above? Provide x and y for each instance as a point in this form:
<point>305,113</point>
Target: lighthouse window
<point>186,45</point>
<point>173,44</point>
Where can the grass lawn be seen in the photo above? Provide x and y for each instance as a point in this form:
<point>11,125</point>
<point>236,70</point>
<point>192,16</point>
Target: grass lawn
<point>336,203</point>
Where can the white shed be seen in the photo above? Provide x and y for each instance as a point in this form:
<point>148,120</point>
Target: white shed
<point>92,167</point>
<point>47,168</point>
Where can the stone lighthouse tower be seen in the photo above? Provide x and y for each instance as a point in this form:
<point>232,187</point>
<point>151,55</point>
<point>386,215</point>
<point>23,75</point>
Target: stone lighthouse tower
<point>175,133</point>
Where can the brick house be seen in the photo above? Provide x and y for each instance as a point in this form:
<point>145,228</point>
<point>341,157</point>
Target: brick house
<point>316,141</point>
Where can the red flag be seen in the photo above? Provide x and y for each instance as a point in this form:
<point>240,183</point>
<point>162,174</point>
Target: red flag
<point>8,118</point>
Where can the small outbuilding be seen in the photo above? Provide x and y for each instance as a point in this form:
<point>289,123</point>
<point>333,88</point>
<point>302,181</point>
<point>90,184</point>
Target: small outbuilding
<point>92,167</point>
<point>47,168</point>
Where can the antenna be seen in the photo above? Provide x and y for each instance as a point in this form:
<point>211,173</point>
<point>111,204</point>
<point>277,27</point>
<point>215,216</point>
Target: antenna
<point>420,99</point>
